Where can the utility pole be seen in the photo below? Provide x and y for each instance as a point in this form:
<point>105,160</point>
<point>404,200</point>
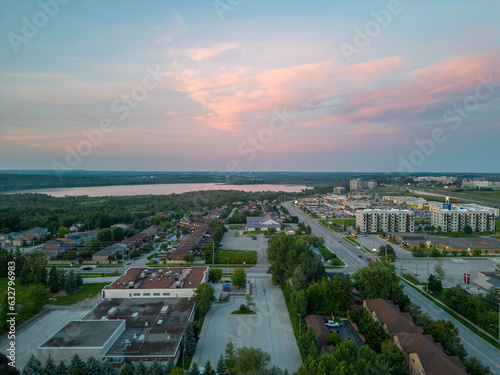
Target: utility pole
<point>300,324</point>
<point>428,243</point>
<point>213,252</point>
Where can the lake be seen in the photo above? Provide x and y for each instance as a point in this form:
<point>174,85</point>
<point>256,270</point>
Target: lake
<point>160,189</point>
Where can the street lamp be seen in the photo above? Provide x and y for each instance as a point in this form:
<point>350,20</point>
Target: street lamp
<point>428,243</point>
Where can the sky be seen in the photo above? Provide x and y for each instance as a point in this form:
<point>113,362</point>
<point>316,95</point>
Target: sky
<point>240,85</point>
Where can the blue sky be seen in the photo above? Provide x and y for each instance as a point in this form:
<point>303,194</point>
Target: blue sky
<point>253,86</point>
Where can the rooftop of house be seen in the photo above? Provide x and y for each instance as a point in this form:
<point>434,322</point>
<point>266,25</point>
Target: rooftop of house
<point>317,323</point>
<point>160,278</point>
<point>389,314</point>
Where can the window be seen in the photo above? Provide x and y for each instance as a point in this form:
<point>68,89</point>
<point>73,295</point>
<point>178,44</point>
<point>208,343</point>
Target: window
<point>422,371</point>
<point>137,294</point>
<point>412,360</point>
<point>146,294</point>
<point>156,294</point>
<point>166,294</point>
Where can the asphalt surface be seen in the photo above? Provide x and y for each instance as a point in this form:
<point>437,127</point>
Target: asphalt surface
<point>475,346</point>
<point>270,329</point>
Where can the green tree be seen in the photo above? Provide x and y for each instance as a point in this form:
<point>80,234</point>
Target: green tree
<point>208,369</point>
<point>189,258</point>
<point>70,284</point>
<point>93,366</point>
<point>62,231</point>
<point>306,341</point>
<point>76,364</point>
<point>188,340</point>
<point>194,370</point>
<point>474,367</point>
<point>49,367</point>
<point>105,236</point>
<point>78,280</point>
<point>221,366</point>
<point>118,234</point>
<point>379,280</point>
<point>126,370</point>
<point>215,274</point>
<point>250,361</point>
<point>41,275</point>
<point>62,369</point>
<point>33,367</point>
<point>394,357</point>
<point>177,371</point>
<point>178,233</point>
<point>169,368</point>
<point>156,369</point>
<point>446,334</point>
<point>439,270</point>
<point>333,339</point>
<point>468,229</point>
<point>435,285</point>
<point>204,296</point>
<point>140,369</point>
<point>250,302</point>
<point>107,369</point>
<point>239,277</point>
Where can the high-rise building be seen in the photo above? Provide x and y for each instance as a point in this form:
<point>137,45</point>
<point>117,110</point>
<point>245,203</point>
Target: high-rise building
<point>372,184</point>
<point>339,190</point>
<point>376,220</point>
<point>456,220</point>
<point>357,184</point>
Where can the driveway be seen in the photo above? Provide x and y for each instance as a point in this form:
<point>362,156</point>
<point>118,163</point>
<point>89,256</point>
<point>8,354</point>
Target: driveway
<point>270,329</point>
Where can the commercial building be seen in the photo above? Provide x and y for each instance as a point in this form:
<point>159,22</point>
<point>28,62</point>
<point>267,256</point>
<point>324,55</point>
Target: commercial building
<point>339,190</point>
<point>456,220</point>
<point>376,220</point>
<point>262,223</point>
<point>141,282</point>
<point>476,183</point>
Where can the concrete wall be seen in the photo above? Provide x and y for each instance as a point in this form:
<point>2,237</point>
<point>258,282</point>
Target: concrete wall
<point>66,354</point>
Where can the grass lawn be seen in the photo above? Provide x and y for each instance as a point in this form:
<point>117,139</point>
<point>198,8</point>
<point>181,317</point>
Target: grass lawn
<point>87,291</point>
<point>238,312</point>
<point>237,226</point>
<point>251,233</point>
<point>18,287</point>
<point>413,281</point>
<point>497,224</point>
<point>236,256</point>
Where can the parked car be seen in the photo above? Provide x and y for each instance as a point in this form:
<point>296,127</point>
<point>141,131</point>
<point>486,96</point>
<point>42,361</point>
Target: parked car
<point>332,324</point>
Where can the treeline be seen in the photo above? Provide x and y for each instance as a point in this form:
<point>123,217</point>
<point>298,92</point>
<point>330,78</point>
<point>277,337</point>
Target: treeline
<point>25,211</point>
<point>36,285</point>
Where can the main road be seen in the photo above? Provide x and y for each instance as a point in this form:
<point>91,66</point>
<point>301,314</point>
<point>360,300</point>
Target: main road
<point>475,346</point>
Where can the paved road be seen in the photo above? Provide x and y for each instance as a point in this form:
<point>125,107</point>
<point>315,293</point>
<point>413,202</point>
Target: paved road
<point>487,354</point>
<point>459,196</point>
<point>475,346</point>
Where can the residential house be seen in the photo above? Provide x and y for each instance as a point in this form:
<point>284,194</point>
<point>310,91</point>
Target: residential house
<point>317,324</point>
<point>262,223</point>
<point>110,251</point>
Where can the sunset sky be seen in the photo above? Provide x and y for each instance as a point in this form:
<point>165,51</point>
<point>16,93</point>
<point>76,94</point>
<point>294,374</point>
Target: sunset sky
<point>253,86</point>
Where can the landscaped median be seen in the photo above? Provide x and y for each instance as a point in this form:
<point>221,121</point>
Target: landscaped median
<point>475,329</point>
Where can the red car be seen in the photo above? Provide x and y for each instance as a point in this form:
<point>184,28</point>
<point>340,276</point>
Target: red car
<point>340,241</point>
<point>368,259</point>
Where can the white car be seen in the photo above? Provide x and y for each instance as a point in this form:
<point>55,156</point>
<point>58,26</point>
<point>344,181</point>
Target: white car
<point>332,324</point>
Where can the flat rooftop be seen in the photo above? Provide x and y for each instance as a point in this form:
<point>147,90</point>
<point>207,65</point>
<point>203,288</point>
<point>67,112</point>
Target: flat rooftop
<point>83,334</point>
<point>160,278</point>
<point>148,331</point>
<point>469,242</point>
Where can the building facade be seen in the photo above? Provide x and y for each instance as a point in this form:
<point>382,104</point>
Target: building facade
<point>457,220</point>
<point>376,220</point>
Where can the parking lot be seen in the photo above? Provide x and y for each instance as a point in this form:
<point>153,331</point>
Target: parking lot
<point>270,329</point>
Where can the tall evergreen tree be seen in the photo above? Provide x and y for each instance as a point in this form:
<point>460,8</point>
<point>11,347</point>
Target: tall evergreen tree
<point>194,370</point>
<point>33,367</point>
<point>79,280</point>
<point>141,369</point>
<point>156,369</point>
<point>49,367</point>
<point>107,369</point>
<point>188,340</point>
<point>53,282</point>
<point>208,369</point>
<point>41,275</point>
<point>62,369</point>
<point>221,366</point>
<point>93,366</point>
<point>169,368</point>
<point>76,363</point>
<point>126,370</point>
<point>70,284</point>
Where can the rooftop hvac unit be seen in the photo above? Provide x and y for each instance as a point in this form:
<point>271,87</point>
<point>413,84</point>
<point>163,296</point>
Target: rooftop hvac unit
<point>113,311</point>
<point>160,271</point>
<point>164,310</point>
<point>153,275</point>
<point>131,284</point>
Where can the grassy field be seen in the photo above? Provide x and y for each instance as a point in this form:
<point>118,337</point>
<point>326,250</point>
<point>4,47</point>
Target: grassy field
<point>87,291</point>
<point>236,256</point>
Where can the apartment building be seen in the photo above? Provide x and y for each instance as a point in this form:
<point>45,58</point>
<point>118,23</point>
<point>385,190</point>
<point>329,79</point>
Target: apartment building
<point>456,220</point>
<point>376,220</point>
<point>359,184</point>
<point>339,190</point>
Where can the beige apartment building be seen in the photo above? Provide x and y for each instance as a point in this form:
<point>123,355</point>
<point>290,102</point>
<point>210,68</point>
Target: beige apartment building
<point>376,220</point>
<point>456,220</point>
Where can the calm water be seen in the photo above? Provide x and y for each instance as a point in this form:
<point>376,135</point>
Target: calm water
<point>159,189</point>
